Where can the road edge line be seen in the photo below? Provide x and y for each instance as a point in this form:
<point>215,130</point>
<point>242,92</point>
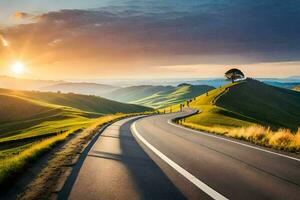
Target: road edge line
<point>232,141</point>
<point>202,186</point>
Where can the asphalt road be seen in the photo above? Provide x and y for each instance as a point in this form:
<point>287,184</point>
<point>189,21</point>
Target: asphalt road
<point>151,158</point>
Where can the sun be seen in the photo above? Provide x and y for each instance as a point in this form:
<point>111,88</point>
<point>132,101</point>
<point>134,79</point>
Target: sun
<point>18,67</point>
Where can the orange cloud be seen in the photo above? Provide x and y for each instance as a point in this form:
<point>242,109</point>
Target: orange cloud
<point>22,15</point>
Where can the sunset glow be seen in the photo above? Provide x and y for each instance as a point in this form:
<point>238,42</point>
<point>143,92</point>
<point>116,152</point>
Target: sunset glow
<point>5,43</point>
<point>121,39</point>
<point>18,67</point>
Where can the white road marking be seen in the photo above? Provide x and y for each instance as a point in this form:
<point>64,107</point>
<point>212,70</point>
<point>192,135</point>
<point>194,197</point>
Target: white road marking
<point>228,140</point>
<point>202,186</point>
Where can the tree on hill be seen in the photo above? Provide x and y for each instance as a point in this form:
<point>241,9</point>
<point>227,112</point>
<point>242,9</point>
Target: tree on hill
<point>234,74</point>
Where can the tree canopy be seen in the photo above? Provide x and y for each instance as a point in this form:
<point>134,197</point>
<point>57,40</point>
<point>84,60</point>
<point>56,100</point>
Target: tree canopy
<point>234,74</point>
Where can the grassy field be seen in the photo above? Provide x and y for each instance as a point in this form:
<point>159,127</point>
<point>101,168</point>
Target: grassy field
<point>88,103</point>
<point>252,111</point>
<point>158,96</point>
<point>32,122</point>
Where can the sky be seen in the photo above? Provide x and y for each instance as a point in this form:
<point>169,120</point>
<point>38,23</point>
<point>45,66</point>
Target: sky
<point>149,39</point>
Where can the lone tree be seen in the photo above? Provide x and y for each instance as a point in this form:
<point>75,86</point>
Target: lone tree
<point>234,74</point>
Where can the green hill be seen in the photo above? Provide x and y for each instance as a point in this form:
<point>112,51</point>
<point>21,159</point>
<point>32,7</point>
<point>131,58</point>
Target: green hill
<point>86,103</point>
<point>26,114</point>
<point>24,118</point>
<point>267,104</point>
<point>158,96</point>
<point>244,104</point>
<point>13,108</point>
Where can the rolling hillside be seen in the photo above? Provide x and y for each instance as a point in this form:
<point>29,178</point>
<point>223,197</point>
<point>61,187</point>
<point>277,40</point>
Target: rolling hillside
<point>267,104</point>
<point>14,108</point>
<point>247,103</point>
<point>158,96</point>
<point>85,103</point>
<point>27,114</point>
<point>80,88</point>
<point>23,118</point>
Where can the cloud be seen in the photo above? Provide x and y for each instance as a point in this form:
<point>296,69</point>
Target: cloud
<point>22,15</point>
<point>148,33</point>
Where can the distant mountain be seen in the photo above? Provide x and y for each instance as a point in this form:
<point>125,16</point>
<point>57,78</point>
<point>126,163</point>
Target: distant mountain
<point>287,85</point>
<point>55,86</point>
<point>25,84</point>
<point>158,96</point>
<point>294,77</point>
<point>80,88</point>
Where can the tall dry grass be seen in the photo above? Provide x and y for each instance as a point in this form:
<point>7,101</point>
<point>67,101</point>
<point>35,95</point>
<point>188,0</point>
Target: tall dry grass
<point>283,139</point>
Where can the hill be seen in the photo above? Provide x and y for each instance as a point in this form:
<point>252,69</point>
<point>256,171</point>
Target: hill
<point>80,88</point>
<point>267,104</point>
<point>26,114</point>
<point>14,108</point>
<point>247,103</point>
<point>158,96</point>
<point>87,103</point>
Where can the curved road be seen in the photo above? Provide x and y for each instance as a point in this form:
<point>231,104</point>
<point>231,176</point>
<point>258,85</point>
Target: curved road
<point>152,158</point>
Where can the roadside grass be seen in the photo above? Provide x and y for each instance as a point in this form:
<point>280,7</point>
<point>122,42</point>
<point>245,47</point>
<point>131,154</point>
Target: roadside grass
<point>13,165</point>
<point>51,179</point>
<point>282,139</point>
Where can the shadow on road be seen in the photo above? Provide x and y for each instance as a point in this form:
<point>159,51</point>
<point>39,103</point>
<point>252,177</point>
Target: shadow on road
<point>150,182</point>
